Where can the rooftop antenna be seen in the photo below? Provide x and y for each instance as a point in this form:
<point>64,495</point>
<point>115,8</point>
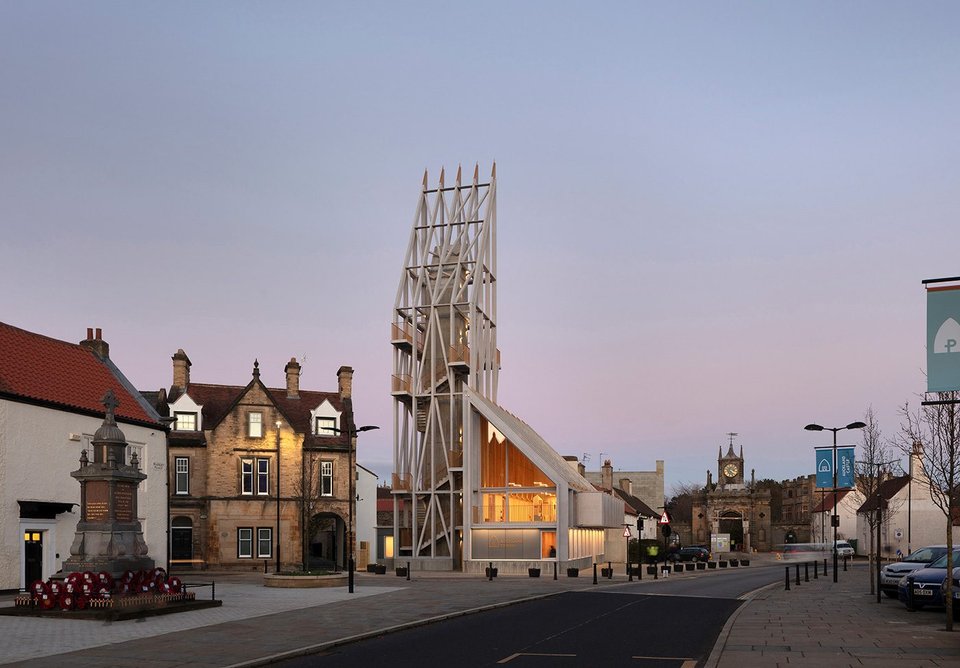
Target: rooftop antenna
<point>585,457</point>
<point>731,434</point>
<point>602,454</point>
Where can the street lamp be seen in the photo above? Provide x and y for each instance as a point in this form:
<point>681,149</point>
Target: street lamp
<point>351,434</point>
<point>626,534</point>
<point>276,543</point>
<point>835,521</point>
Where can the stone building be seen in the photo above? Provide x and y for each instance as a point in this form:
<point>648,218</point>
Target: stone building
<point>798,497</point>
<point>645,485</point>
<point>224,477</point>
<point>732,506</point>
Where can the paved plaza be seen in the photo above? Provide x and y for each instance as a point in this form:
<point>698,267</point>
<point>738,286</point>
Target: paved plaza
<point>817,622</point>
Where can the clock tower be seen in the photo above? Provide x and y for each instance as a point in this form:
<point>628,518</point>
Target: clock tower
<point>730,467</point>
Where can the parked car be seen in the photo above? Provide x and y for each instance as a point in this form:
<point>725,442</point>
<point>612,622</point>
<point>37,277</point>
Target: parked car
<point>891,574</point>
<point>691,554</point>
<point>956,593</point>
<point>927,584</point>
<point>844,549</point>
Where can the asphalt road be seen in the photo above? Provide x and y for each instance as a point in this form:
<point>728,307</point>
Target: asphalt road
<point>650,624</point>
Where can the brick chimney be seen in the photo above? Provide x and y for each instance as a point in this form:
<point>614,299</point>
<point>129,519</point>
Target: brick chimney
<point>626,485</point>
<point>293,378</point>
<point>181,369</point>
<point>95,343</point>
<point>606,476</point>
<point>345,381</point>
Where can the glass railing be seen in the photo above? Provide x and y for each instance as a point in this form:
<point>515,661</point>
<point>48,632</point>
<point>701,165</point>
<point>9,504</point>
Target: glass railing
<point>515,513</point>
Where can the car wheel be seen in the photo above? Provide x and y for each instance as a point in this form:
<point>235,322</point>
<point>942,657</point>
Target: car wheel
<point>696,558</point>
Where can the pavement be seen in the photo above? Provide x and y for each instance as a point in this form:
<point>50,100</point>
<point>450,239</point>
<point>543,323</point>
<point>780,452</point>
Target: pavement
<point>817,622</point>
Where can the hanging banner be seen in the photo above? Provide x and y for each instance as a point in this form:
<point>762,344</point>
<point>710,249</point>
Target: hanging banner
<point>943,338</point>
<point>845,462</point>
<point>824,467</point>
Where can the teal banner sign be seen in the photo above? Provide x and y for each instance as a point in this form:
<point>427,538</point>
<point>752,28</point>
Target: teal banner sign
<point>824,467</point>
<point>943,339</point>
<point>845,467</point>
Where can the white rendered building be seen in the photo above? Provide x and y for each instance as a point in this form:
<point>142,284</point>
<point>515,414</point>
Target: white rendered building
<point>473,483</point>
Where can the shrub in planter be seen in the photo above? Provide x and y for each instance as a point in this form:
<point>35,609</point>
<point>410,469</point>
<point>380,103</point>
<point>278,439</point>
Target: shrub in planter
<point>533,572</point>
<point>606,572</point>
<point>487,572</point>
<point>678,568</point>
<point>651,570</point>
<point>744,562</point>
<point>711,564</point>
<point>689,566</point>
<point>701,565</point>
<point>401,571</point>
<point>573,572</point>
<point>381,569</point>
<point>723,563</point>
<point>371,568</point>
<point>734,562</point>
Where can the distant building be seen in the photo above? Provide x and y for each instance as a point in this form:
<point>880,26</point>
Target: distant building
<point>648,486</point>
<point>223,471</point>
<point>634,508</point>
<point>797,500</point>
<point>50,408</point>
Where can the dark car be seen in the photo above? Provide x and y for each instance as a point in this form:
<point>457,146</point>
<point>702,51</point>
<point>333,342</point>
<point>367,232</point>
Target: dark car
<point>691,554</point>
<point>892,573</point>
<point>926,583</point>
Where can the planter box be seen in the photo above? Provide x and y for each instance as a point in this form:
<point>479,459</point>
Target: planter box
<point>573,572</point>
<point>304,581</point>
<point>652,570</point>
<point>734,562</point>
<point>490,572</point>
<point>401,572</point>
<point>744,562</point>
<point>371,568</point>
<point>678,568</point>
<point>711,564</point>
<point>606,572</point>
<point>689,566</point>
<point>533,572</point>
<point>723,563</point>
<point>701,565</point>
<point>381,569</point>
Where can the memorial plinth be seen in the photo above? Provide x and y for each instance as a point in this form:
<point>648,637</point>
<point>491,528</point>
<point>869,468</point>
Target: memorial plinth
<point>109,536</point>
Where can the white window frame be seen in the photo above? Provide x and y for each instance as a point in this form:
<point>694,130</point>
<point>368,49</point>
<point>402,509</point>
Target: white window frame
<point>264,534</point>
<point>244,538</point>
<point>326,478</point>
<point>324,429</point>
<point>255,424</point>
<point>263,476</point>
<point>178,427</point>
<point>181,467</point>
<point>246,476</point>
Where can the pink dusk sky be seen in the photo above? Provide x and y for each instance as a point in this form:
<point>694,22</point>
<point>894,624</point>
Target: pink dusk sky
<point>712,217</point>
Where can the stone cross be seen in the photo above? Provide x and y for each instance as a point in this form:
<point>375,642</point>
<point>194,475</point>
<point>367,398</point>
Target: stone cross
<point>110,403</point>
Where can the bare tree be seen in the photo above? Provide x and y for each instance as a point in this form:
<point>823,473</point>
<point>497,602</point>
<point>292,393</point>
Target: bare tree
<point>680,505</point>
<point>871,469</point>
<point>307,493</point>
<point>934,430</point>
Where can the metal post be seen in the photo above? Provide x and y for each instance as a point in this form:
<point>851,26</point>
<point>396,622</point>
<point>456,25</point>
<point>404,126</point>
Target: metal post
<point>787,577</point>
<point>824,567</point>
<point>806,571</point>
<point>844,564</point>
<point>816,568</point>
<point>836,517</point>
<point>408,571</point>
<point>609,570</point>
<point>276,546</point>
<point>798,572</point>
<point>554,570</point>
<point>490,571</point>
<point>350,474</point>
<point>880,524</point>
<point>594,573</point>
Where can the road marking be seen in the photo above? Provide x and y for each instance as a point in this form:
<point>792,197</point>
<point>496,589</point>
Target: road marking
<point>514,656</point>
<point>687,661</point>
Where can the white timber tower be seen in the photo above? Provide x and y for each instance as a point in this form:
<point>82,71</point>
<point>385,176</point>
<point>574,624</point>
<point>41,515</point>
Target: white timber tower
<point>444,339</point>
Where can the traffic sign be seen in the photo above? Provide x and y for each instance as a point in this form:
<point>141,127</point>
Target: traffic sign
<point>664,518</point>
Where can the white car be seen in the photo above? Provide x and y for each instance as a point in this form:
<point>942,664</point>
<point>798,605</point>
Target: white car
<point>891,574</point>
<point>844,549</point>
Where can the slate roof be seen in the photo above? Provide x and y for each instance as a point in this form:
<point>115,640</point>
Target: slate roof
<point>66,376</point>
<point>636,503</point>
<point>888,489</point>
<point>826,505</point>
<point>218,400</point>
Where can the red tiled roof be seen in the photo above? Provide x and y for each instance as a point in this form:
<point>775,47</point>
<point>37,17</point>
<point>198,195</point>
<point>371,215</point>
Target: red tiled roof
<point>827,504</point>
<point>888,488</point>
<point>58,374</point>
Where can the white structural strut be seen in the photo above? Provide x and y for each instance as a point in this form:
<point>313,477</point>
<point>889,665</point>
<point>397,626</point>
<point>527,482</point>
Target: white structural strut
<point>444,338</point>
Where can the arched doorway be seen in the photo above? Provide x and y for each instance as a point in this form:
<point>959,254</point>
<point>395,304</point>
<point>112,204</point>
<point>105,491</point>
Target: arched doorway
<point>325,549</point>
<point>731,522</point>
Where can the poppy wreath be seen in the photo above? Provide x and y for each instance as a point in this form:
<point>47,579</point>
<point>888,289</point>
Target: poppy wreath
<point>67,600</point>
<point>38,588</point>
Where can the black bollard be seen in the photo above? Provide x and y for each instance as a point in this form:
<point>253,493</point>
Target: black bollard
<point>609,570</point>
<point>629,573</point>
<point>554,570</point>
<point>824,567</point>
<point>806,571</point>
<point>490,571</point>
<point>408,570</point>
<point>594,574</point>
<point>797,566</point>
<point>656,570</point>
<point>844,564</point>
<point>815,570</point>
<point>786,570</point>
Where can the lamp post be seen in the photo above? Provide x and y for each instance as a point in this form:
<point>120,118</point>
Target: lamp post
<point>626,535</point>
<point>276,543</point>
<point>351,434</point>
<point>835,521</point>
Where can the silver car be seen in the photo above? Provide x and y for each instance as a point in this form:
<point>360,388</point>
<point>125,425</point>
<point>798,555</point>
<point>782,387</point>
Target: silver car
<point>891,574</point>
<point>844,549</point>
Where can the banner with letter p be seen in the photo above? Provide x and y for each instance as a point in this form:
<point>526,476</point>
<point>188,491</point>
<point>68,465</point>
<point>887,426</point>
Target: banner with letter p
<point>943,338</point>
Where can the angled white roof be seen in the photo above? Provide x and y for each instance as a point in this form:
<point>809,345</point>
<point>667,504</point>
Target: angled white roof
<point>529,441</point>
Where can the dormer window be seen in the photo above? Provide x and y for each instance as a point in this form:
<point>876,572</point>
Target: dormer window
<point>185,421</point>
<point>325,426</point>
<point>255,425</point>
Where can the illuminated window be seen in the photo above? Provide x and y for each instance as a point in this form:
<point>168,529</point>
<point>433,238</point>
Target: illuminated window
<point>182,472</point>
<point>326,478</point>
<point>255,425</point>
<point>185,421</point>
<point>325,425</point>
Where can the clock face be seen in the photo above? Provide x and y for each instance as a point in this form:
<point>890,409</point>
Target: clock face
<point>730,470</point>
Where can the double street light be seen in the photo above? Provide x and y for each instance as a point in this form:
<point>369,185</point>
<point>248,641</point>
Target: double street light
<point>351,434</point>
<point>835,520</point>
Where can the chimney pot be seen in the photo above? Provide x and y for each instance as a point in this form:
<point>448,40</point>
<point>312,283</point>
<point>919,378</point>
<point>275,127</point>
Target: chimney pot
<point>89,333</point>
<point>293,378</point>
<point>345,381</point>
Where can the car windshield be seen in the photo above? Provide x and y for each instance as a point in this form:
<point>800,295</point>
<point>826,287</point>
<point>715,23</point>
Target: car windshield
<point>925,555</point>
<point>942,561</point>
